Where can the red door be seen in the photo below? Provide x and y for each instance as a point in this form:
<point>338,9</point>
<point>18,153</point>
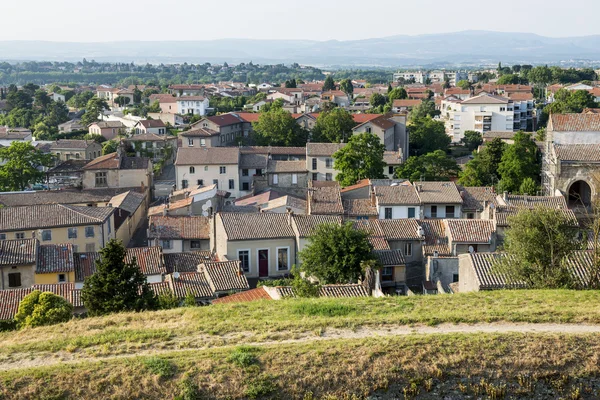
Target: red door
<point>263,263</point>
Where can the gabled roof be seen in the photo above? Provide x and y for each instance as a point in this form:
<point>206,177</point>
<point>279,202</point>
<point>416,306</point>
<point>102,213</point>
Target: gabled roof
<point>190,98</point>
<point>486,99</point>
<point>163,98</point>
<point>400,229</point>
<point>322,149</point>
<point>18,252</point>
<point>574,122</point>
<point>390,257</point>
<point>398,103</point>
<point>326,200</point>
<point>578,152</point>
<point>435,237</point>
<point>225,119</point>
<point>114,161</point>
<point>55,258</point>
<point>506,135</point>
<point>525,201</point>
<point>382,121</point>
<point>150,137</point>
<point>438,192</point>
<point>71,144</point>
<point>243,297</point>
<point>279,166</point>
<point>179,227</point>
<point>51,216</point>
<point>208,156</point>
<point>256,226</point>
<point>305,224</point>
<point>186,262</point>
<point>109,124</point>
<point>224,276</point>
<point>192,283</point>
<point>471,230</point>
<point>485,271</point>
<point>475,197</point>
<point>148,259</point>
<point>396,195</point>
<point>200,132</point>
<point>129,201</point>
<point>64,196</point>
<point>258,199</point>
<point>359,207</point>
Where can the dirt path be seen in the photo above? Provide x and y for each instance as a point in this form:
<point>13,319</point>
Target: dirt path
<point>28,360</point>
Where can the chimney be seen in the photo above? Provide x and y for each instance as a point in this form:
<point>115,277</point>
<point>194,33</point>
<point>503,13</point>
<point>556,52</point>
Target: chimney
<point>505,195</point>
<point>290,213</point>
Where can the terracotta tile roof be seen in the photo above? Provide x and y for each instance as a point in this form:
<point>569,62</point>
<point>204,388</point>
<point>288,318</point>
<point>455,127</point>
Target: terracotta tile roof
<point>162,98</point>
<point>129,201</point>
<point>373,229</point>
<point>68,167</point>
<point>194,283</point>
<point>406,103</point>
<point>574,122</point>
<point>506,135</point>
<point>591,111</point>
<point>474,197</point>
<point>256,226</point>
<point>55,258</point>
<point>502,215</point>
<point>208,156</point>
<point>51,216</point>
<point>179,227</point>
<point>520,96</point>
<point>392,157</point>
<point>470,230</point>
<point>152,123</point>
<point>109,124</point>
<point>382,122</point>
<point>297,151</point>
<point>161,288</point>
<point>456,90</point>
<point>85,265</point>
<point>70,144</point>
<point>581,264</point>
<point>400,229</point>
<point>254,161</point>
<point>515,88</point>
<point>286,201</point>
<point>244,297</point>
<point>225,119</point>
<point>113,161</point>
<point>186,262</point>
<point>150,137</point>
<point>341,291</point>
<point>224,276</point>
<point>11,298</point>
<point>397,195</point>
<point>360,184</point>
<point>277,166</point>
<point>258,199</point>
<point>326,200</point>
<point>248,116</point>
<point>435,237</point>
<point>305,224</point>
<point>149,259</point>
<point>578,152</point>
<point>485,271</point>
<point>9,135</point>
<point>322,149</point>
<point>438,192</point>
<point>486,99</point>
<point>200,132</point>
<point>18,252</point>
<point>524,201</point>
<point>174,205</point>
<point>186,87</point>
<point>379,243</point>
<point>390,257</point>
<point>66,196</point>
<point>359,207</point>
<point>190,98</point>
<point>362,118</point>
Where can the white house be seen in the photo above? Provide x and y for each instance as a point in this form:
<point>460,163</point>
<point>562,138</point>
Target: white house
<point>399,201</point>
<point>193,105</point>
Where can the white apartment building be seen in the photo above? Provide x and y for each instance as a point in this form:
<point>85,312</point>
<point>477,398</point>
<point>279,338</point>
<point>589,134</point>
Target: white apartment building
<point>481,113</point>
<point>433,76</point>
<point>418,76</point>
<point>193,105</point>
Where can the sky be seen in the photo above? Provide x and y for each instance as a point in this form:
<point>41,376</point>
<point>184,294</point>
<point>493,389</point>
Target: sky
<point>117,20</point>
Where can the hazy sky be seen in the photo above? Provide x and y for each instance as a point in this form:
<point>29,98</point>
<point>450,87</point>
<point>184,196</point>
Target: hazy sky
<point>108,20</point>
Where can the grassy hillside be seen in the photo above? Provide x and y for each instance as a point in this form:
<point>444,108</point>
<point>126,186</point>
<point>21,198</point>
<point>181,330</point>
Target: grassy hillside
<point>278,349</point>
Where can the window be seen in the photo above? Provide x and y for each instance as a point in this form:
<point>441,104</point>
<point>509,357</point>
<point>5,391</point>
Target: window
<point>411,212</point>
<point>387,274</point>
<point>184,184</point>
<point>390,170</point>
<point>315,176</point>
<point>222,170</point>
<point>408,249</point>
<point>231,184</point>
<point>454,277</point>
<point>62,278</point>
<point>449,211</point>
<point>206,167</point>
<point>245,186</point>
<point>283,260</point>
<point>14,279</point>
<point>369,130</point>
<point>275,179</point>
<point>75,248</point>
<point>90,247</point>
<point>501,109</point>
<point>101,180</point>
<point>258,172</point>
<point>72,233</point>
<point>2,236</point>
<point>314,163</point>
<point>470,216</point>
<point>195,244</point>
<point>328,163</point>
<point>46,235</point>
<point>165,244</point>
<point>433,211</point>
<point>20,235</point>
<point>294,179</point>
<point>244,257</point>
<point>192,170</point>
<point>200,182</point>
<point>203,142</point>
<point>244,172</point>
<point>328,177</point>
<point>388,213</point>
<point>216,182</point>
<point>109,227</point>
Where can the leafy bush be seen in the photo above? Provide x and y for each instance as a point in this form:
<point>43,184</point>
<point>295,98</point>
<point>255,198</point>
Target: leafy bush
<point>159,366</point>
<point>37,309</point>
<point>188,390</point>
<point>274,282</point>
<point>261,386</point>
<point>8,325</point>
<point>167,301</point>
<point>243,356</point>
<point>320,309</point>
<point>189,300</point>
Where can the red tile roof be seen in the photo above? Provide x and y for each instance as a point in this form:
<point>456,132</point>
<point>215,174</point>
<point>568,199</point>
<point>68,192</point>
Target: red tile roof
<point>244,297</point>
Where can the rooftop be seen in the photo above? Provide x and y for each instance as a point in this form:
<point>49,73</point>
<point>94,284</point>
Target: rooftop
<point>256,226</point>
<point>51,216</point>
<point>204,156</point>
<point>305,224</point>
<point>71,144</point>
<point>322,149</point>
<point>438,192</point>
<point>179,227</point>
<point>396,195</point>
<point>471,230</point>
<point>326,200</point>
<point>574,123</point>
<point>55,258</point>
<point>18,252</point>
<point>224,276</point>
<point>578,152</point>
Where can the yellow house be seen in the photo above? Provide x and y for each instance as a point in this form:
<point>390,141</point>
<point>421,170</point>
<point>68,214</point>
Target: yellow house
<point>55,264</point>
<point>85,228</point>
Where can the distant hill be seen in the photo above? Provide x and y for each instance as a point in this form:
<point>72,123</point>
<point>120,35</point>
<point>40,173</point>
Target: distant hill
<point>468,47</point>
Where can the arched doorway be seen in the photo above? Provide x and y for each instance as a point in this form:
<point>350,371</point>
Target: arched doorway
<point>580,194</point>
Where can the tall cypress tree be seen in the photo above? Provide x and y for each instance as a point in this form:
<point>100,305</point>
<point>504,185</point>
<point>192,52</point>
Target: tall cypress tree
<point>116,286</point>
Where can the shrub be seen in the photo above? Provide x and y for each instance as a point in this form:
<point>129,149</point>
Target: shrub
<point>159,366</point>
<point>167,301</point>
<point>260,386</point>
<point>319,309</point>
<point>243,356</point>
<point>188,390</point>
<point>190,300</point>
<point>37,309</point>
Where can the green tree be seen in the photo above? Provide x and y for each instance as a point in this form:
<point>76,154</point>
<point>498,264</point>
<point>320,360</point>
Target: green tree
<point>519,161</point>
<point>333,126</point>
<point>361,158</point>
<point>277,127</point>
<point>137,96</point>
<point>122,100</point>
<point>116,286</point>
<point>536,245</point>
<point>541,75</point>
<point>109,147</point>
<point>42,100</point>
<point>377,99</point>
<point>510,79</point>
<point>472,140</point>
<point>38,309</point>
<point>463,84</point>
<point>334,253</point>
<point>482,170</point>
<point>22,165</point>
<point>423,110</point>
<point>529,187</point>
<point>93,109</point>
<point>291,83</point>
<point>434,166</point>
<point>329,84</point>
<point>398,93</point>
<point>427,135</point>
<point>167,301</point>
<point>347,87</point>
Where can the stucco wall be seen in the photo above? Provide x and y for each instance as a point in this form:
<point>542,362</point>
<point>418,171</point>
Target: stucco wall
<point>255,245</point>
<point>467,281</point>
<point>44,279</point>
<point>27,275</point>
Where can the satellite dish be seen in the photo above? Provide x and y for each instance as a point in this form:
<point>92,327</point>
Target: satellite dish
<point>471,249</point>
<point>176,275</point>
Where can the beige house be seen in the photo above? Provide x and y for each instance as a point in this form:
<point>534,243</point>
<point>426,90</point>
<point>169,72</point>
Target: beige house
<point>176,234</point>
<point>319,161</point>
<point>146,126</point>
<point>131,208</point>
<point>114,170</point>
<point>264,243</point>
<point>108,129</point>
<point>218,130</point>
<point>157,147</point>
<point>17,263</point>
<point>65,150</point>
<point>86,228</point>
